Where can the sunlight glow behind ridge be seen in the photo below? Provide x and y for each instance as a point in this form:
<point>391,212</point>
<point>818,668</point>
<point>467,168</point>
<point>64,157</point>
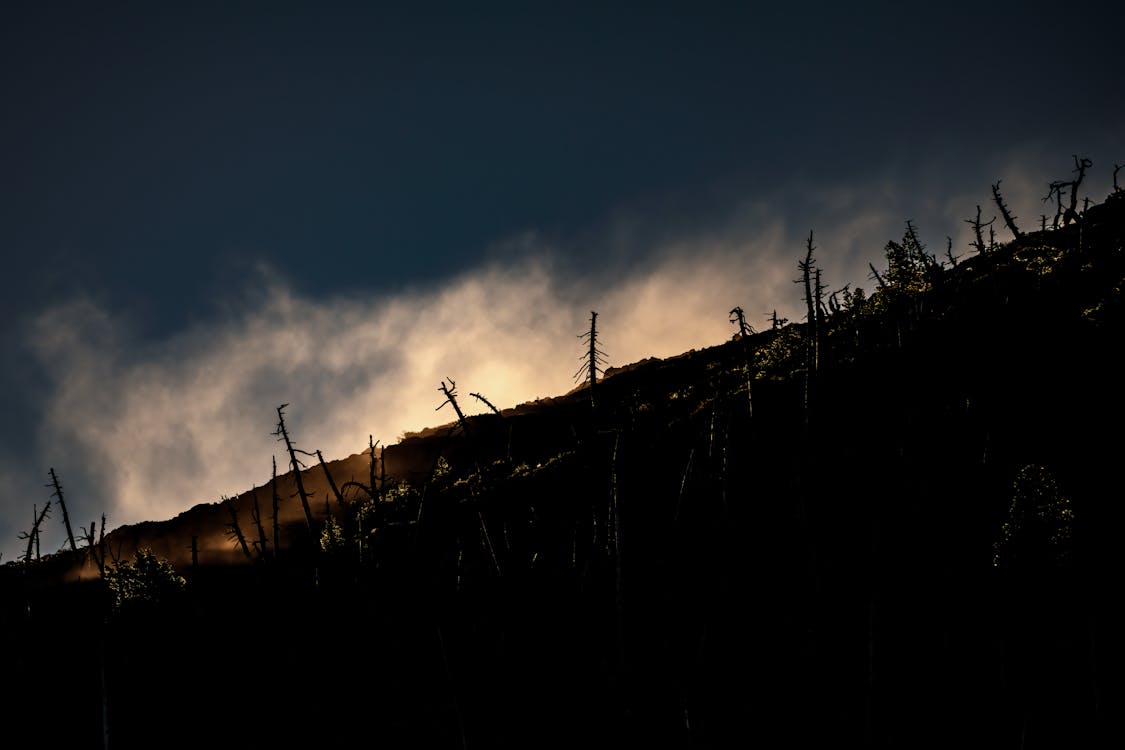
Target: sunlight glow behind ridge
<point>190,420</point>
<point>144,430</point>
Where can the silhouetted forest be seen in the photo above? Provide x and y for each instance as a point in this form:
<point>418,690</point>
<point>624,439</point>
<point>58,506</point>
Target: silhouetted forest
<point>893,524</point>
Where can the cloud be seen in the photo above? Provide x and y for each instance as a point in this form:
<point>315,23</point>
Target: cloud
<point>149,429</point>
<point>143,430</point>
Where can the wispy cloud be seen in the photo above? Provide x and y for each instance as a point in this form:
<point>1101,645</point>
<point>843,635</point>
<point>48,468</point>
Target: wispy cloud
<point>154,428</point>
<point>144,430</point>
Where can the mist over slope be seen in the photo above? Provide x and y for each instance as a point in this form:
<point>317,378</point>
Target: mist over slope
<point>895,519</point>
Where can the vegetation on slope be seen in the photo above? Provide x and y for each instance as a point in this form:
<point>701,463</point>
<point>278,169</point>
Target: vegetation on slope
<point>892,524</point>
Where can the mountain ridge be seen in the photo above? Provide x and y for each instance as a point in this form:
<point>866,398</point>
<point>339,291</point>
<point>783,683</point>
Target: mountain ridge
<point>894,520</point>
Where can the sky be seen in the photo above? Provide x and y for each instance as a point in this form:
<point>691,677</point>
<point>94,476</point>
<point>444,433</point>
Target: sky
<point>210,209</point>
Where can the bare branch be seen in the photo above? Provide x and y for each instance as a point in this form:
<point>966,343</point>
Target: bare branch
<point>62,504</point>
<point>1009,220</point>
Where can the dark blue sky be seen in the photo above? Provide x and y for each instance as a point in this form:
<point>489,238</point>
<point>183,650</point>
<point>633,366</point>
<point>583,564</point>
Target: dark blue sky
<point>152,157</point>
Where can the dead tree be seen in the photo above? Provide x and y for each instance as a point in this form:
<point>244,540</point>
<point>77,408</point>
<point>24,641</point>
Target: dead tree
<point>331,483</point>
<point>738,317</point>
<point>808,270</point>
<point>1056,189</point>
<point>978,226</point>
<point>376,490</point>
<point>234,529</point>
<point>450,391</point>
<point>1080,167</point>
<point>32,536</point>
<point>486,402</point>
<point>949,252</point>
<point>276,503</point>
<point>834,302</point>
<point>777,323</point>
<point>818,291</point>
<point>295,465</point>
<point>372,488</point>
<point>62,504</point>
<point>876,277</point>
<point>256,516</point>
<point>97,551</point>
<point>1008,218</point>
<point>593,358</point>
<point>1116,169</point>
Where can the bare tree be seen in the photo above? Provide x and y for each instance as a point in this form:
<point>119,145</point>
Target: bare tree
<point>32,536</point>
<point>372,489</point>
<point>949,252</point>
<point>1116,169</point>
<point>593,358</point>
<point>62,504</point>
<point>450,391</point>
<point>256,516</point>
<point>234,529</point>
<point>738,317</point>
<point>876,277</point>
<point>89,535</point>
<point>92,548</point>
<point>1080,167</point>
<point>295,465</point>
<point>486,402</point>
<point>376,490</point>
<point>331,482</point>
<point>1008,218</point>
<point>819,289</point>
<point>276,503</point>
<point>808,270</point>
<point>978,235</point>
<point>1056,189</point>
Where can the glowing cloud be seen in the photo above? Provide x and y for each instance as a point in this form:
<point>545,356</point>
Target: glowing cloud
<point>162,427</point>
<point>147,430</point>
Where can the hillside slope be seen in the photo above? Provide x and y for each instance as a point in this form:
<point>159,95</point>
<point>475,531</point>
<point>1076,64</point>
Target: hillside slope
<point>897,527</point>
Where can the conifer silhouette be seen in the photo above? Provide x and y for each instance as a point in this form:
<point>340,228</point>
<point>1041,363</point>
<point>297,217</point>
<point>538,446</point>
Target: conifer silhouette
<point>593,358</point>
